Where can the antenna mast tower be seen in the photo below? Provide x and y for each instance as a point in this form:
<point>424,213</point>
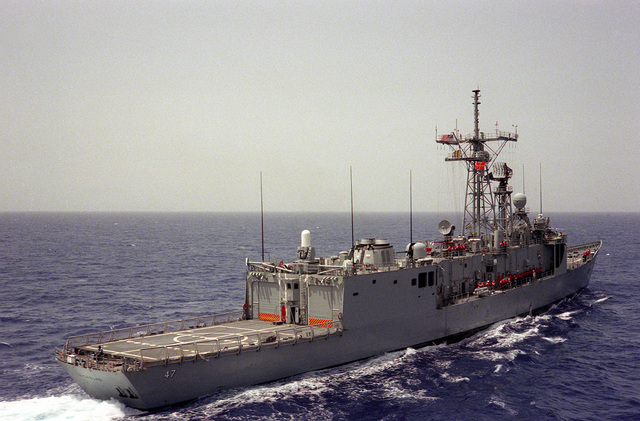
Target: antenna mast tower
<point>477,152</point>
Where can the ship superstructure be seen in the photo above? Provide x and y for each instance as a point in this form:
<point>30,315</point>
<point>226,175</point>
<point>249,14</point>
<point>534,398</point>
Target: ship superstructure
<point>314,312</point>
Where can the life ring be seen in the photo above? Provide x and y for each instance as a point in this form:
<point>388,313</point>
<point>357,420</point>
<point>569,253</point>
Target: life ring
<point>340,316</point>
<point>112,365</point>
<point>244,306</point>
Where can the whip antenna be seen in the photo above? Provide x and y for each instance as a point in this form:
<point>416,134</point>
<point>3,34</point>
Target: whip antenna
<point>262,216</point>
<point>351,183</point>
<point>410,208</point>
<point>541,187</point>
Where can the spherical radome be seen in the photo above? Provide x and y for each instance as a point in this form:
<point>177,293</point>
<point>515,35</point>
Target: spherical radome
<point>519,200</point>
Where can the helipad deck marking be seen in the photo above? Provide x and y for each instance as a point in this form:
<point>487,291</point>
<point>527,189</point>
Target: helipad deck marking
<point>226,334</point>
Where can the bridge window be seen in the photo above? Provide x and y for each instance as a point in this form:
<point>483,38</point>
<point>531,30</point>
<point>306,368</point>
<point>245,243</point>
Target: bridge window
<point>431,278</point>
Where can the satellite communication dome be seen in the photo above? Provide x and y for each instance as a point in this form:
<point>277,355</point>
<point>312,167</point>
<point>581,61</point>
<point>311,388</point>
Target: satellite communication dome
<point>519,200</point>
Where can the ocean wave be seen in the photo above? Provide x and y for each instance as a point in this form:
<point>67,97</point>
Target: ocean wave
<point>454,379</point>
<point>508,334</point>
<point>567,315</point>
<point>507,355</point>
<point>496,401</point>
<point>395,390</point>
<point>600,300</point>
<point>555,340</point>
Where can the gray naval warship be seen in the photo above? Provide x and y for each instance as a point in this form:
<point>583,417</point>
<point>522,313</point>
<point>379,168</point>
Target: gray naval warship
<point>313,312</point>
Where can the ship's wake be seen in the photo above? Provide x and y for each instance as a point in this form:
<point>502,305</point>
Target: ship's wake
<point>65,407</point>
<point>65,402</point>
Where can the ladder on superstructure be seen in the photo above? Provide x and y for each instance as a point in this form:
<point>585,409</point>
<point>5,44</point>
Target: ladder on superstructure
<point>304,303</point>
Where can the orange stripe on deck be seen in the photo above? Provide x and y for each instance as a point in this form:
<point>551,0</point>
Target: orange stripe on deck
<point>267,317</point>
<point>313,321</point>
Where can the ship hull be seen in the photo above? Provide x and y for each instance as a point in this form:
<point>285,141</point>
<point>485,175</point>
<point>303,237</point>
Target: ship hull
<point>401,327</point>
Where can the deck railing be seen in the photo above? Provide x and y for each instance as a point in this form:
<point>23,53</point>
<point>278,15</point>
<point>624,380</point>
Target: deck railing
<point>581,254</point>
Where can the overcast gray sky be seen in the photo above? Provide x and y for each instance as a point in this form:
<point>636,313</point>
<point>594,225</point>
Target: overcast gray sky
<point>178,106</point>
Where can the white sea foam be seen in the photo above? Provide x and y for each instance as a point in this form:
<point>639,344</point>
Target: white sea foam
<point>543,317</point>
<point>273,392</point>
<point>67,407</point>
<point>443,364</point>
<point>393,390</point>
<point>378,364</point>
<point>505,338</point>
<point>555,339</point>
<point>454,379</point>
<point>489,355</point>
<point>269,394</point>
<point>567,315</point>
<point>601,300</point>
<point>514,338</point>
<point>494,400</point>
<point>409,351</point>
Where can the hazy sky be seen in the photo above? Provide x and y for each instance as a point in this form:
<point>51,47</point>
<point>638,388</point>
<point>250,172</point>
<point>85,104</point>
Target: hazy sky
<point>178,105</point>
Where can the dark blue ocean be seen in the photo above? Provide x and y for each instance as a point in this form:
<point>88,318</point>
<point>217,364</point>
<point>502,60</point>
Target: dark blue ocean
<point>71,273</point>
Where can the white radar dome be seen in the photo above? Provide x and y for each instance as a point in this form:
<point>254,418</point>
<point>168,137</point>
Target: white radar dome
<point>305,238</point>
<point>519,200</point>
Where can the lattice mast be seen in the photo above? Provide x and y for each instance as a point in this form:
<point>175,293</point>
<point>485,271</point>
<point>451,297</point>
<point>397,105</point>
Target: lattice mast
<point>475,150</point>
